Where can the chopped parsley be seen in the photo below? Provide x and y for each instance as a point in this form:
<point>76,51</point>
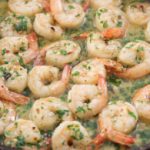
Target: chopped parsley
<point>61,112</point>
<point>22,24</point>
<point>71,7</point>
<point>76,133</point>
<point>3,52</point>
<point>75,73</point>
<point>119,24</point>
<point>132,115</point>
<point>63,52</point>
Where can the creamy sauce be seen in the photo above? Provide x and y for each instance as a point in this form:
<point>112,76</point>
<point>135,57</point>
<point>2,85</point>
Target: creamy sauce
<point>118,89</point>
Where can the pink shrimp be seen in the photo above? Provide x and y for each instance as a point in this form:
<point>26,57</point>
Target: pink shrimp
<point>114,125</point>
<point>113,33</point>
<point>10,96</point>
<point>86,5</point>
<point>32,52</point>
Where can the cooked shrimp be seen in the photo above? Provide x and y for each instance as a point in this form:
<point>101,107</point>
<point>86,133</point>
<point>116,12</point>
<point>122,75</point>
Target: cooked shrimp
<point>87,100</point>
<point>147,32</point>
<point>97,47</point>
<point>138,13</point>
<point>70,135</point>
<point>15,25</point>
<point>99,3</point>
<point>32,51</point>
<point>43,81</point>
<point>61,53</point>
<point>26,47</point>
<point>46,113</point>
<point>136,55</point>
<point>141,100</point>
<point>68,15</point>
<point>115,122</point>
<point>14,76</point>
<point>25,7</point>
<point>24,129</point>
<point>88,71</point>
<point>8,115</point>
<point>45,27</point>
<point>109,18</point>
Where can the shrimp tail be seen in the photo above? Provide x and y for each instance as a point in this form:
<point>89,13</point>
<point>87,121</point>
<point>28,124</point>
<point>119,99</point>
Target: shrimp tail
<point>102,85</point>
<point>113,33</point>
<point>46,5</point>
<point>99,139</point>
<point>19,99</point>
<point>86,5</point>
<point>111,65</point>
<point>7,95</point>
<point>120,137</point>
<point>82,36</point>
<point>32,38</point>
<point>66,74</point>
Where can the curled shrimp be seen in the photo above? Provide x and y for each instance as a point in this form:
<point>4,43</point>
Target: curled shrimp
<point>98,47</point>
<point>136,55</point>
<point>68,15</point>
<point>87,100</point>
<point>45,27</point>
<point>25,46</point>
<point>14,77</point>
<point>27,8</point>
<point>141,101</point>
<point>88,71</point>
<point>21,128</point>
<point>115,122</point>
<point>112,20</point>
<point>138,13</point>
<point>70,135</point>
<point>61,53</point>
<point>46,113</point>
<point>43,81</point>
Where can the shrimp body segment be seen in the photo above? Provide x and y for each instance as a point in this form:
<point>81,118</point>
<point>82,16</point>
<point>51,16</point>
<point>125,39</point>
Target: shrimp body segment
<point>8,115</point>
<point>107,18</point>
<point>61,53</point>
<point>97,47</point>
<point>138,13</point>
<point>70,135</point>
<point>22,128</point>
<point>136,55</point>
<point>44,26</point>
<point>46,113</point>
<point>100,3</point>
<point>87,100</point>
<point>88,71</point>
<point>116,121</point>
<point>141,100</point>
<point>25,7</point>
<point>43,81</point>
<point>68,15</point>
